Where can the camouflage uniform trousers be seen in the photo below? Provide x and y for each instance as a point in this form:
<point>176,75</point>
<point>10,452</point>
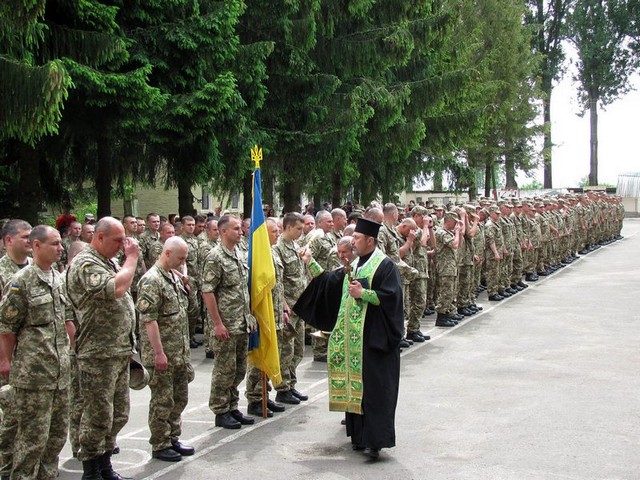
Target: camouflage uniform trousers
<point>506,267</point>
<point>518,266</point>
<point>446,294</point>
<point>104,384</point>
<point>541,264</point>
<point>229,369</point>
<point>493,275</point>
<point>75,406</point>
<point>319,346</point>
<point>418,295</point>
<point>42,417</point>
<point>8,429</point>
<point>291,352</point>
<point>169,398</point>
<point>463,295</point>
<point>432,288</point>
<point>194,310</point>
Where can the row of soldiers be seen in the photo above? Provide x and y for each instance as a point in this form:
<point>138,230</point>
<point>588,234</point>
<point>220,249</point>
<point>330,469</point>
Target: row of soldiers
<point>444,255</point>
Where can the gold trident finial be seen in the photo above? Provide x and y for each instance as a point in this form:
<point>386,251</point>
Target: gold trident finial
<point>256,155</point>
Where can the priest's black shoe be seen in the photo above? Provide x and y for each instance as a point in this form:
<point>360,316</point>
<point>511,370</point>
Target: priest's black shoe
<point>496,297</point>
<point>275,406</point>
<point>167,455</point>
<point>404,343</point>
<point>225,420</point>
<point>357,448</point>
<point>181,448</point>
<point>255,408</point>
<point>287,397</point>
<point>299,395</point>
<point>372,453</point>
<point>416,337</point>
<point>239,417</point>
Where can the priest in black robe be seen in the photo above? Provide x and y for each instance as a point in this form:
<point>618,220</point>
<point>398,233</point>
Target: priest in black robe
<point>361,305</point>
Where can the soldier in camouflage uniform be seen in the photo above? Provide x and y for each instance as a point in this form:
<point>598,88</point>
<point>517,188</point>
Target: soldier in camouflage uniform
<point>15,234</point>
<point>150,235</point>
<point>35,358</point>
<point>226,295</point>
<point>281,311</point>
<point>163,303</point>
<point>389,242</point>
<point>86,234</point>
<point>294,278</point>
<point>155,249</point>
<point>494,251</point>
<point>212,237</point>
<point>98,289</point>
<point>187,234</point>
<point>522,244</point>
<point>243,246</point>
<point>467,254</point>
<point>73,234</point>
<point>309,226</point>
<point>448,239</point>
<point>75,394</point>
<point>424,240</point>
<point>324,251</point>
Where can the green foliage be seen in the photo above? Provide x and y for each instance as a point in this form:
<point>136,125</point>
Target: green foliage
<point>600,31</point>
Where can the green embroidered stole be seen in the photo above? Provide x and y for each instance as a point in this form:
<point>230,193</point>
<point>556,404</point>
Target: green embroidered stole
<point>345,344</point>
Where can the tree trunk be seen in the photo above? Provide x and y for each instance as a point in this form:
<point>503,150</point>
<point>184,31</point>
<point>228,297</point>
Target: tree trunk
<point>103,178</point>
<point>291,195</point>
<point>437,181</point>
<point>593,142</point>
<point>336,189</point>
<point>509,166</point>
<point>29,194</point>
<point>487,178</point>
<point>267,189</point>
<point>547,87</point>
<point>185,197</point>
<point>247,194</point>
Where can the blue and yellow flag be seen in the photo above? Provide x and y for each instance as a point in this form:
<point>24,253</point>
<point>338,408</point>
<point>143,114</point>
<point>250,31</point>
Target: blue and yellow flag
<point>263,344</point>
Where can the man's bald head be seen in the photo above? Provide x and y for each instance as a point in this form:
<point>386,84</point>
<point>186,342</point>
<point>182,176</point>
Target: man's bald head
<point>375,214</point>
<point>174,253</point>
<point>108,237</point>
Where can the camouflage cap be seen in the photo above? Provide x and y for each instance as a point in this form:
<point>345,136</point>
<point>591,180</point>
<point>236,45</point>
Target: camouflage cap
<point>494,209</point>
<point>138,375</point>
<point>419,210</point>
<point>438,207</point>
<point>451,216</point>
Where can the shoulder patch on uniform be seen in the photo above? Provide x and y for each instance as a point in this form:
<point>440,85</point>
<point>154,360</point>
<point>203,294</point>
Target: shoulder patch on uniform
<point>10,312</point>
<point>15,287</point>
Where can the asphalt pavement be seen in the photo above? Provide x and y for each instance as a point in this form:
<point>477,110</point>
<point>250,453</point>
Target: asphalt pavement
<point>543,385</point>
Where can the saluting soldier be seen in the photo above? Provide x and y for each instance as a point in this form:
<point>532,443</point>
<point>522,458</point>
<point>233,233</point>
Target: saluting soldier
<point>98,288</point>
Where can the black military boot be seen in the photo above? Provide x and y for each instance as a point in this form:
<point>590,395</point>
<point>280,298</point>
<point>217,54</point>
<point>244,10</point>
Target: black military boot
<point>91,469</point>
<point>106,469</point>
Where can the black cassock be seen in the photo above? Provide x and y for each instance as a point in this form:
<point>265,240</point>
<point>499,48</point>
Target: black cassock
<point>383,328</point>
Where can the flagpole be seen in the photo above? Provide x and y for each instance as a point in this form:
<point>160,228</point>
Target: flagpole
<point>264,395</point>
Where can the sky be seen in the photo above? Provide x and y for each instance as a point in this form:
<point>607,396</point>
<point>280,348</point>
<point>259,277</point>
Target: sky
<point>618,137</point>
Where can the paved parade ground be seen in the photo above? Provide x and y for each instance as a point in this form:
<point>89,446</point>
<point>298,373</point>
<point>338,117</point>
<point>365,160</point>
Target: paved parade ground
<point>543,385</point>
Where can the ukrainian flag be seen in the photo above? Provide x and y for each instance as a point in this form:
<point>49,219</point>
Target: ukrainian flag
<point>263,344</point>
